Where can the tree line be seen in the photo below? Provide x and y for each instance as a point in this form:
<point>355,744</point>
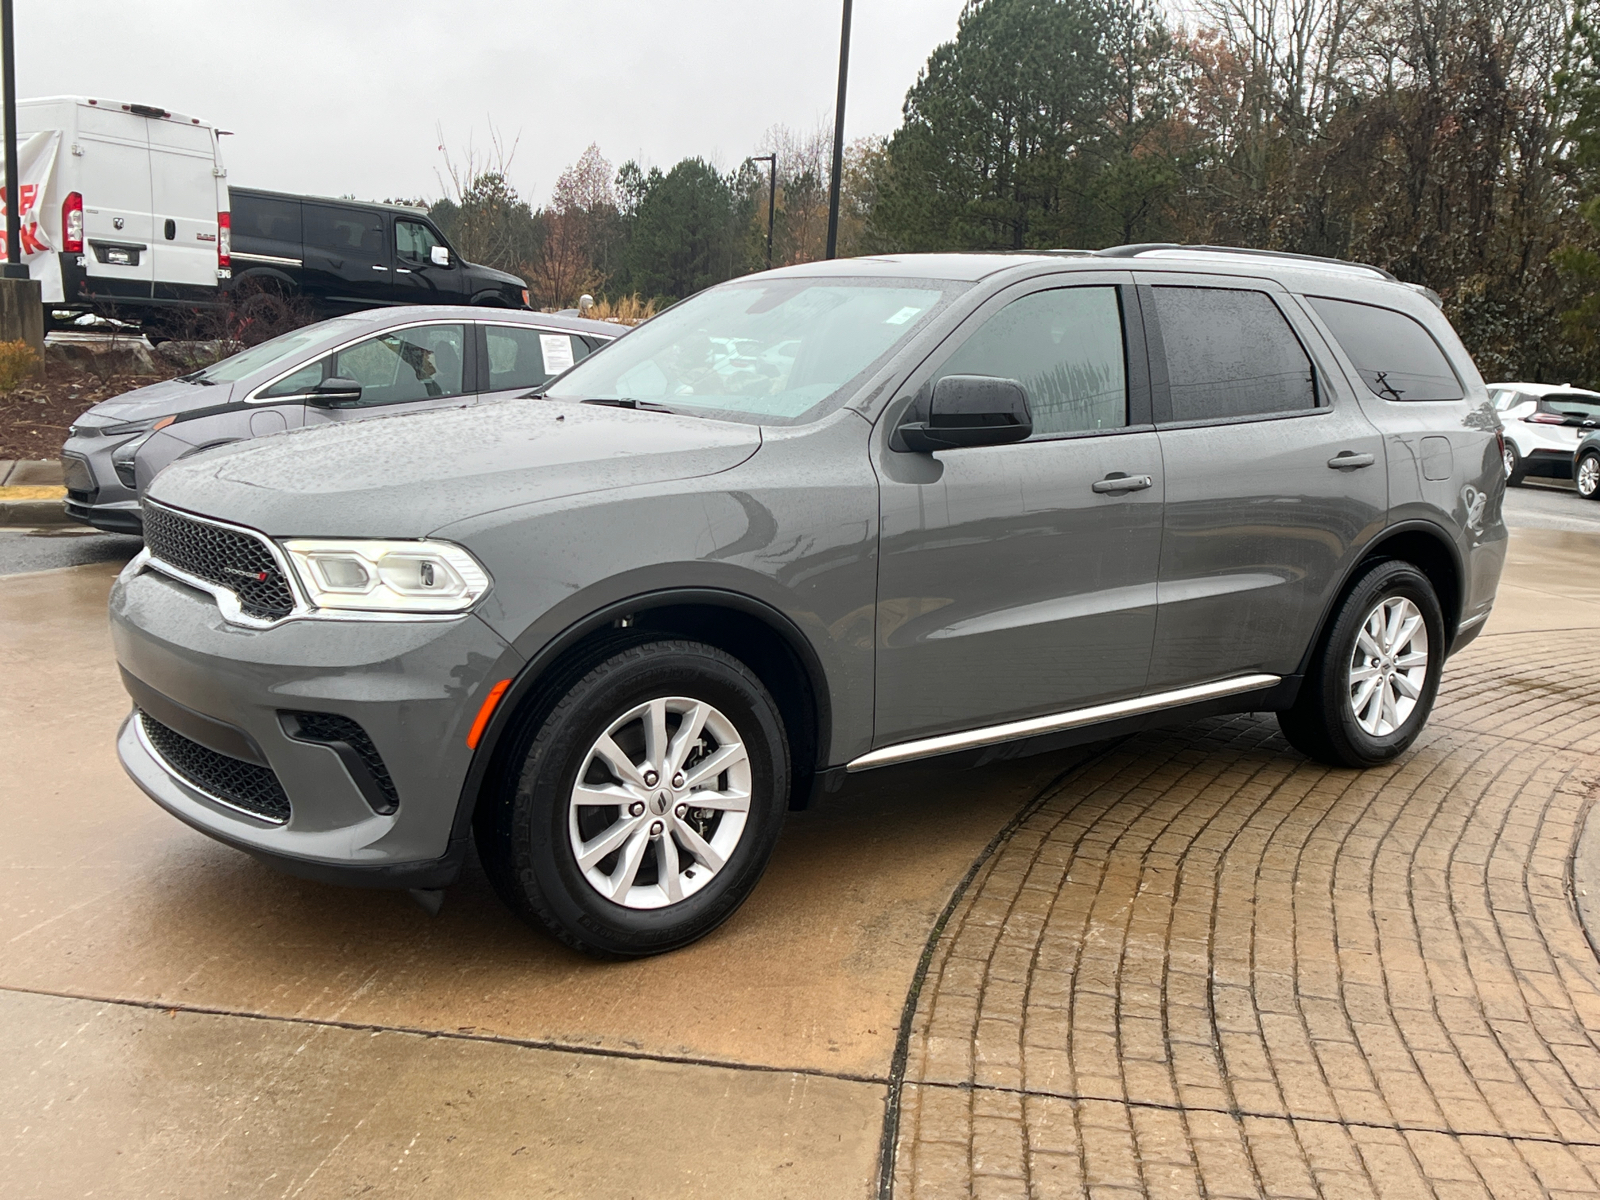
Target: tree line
<point>1455,143</point>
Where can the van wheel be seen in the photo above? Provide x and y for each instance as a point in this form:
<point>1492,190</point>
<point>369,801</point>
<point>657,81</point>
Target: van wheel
<point>1587,476</point>
<point>1371,685</point>
<point>647,804</point>
<point>1515,468</point>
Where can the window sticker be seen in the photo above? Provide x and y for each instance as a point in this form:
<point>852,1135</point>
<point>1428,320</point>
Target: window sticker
<point>557,351</point>
<point>904,315</point>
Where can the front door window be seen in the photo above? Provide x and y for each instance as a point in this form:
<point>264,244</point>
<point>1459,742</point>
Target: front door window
<point>406,365</point>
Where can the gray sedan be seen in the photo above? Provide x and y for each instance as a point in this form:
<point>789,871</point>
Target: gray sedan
<point>364,365</point>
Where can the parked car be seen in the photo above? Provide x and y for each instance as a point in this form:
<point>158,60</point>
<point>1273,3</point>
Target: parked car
<point>1586,465</point>
<point>346,369</point>
<point>807,523</point>
<point>124,206</point>
<point>1543,424</point>
<point>343,255</point>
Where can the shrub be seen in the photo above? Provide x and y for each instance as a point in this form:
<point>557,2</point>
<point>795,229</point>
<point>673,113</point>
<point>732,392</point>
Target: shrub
<point>624,310</point>
<point>18,361</point>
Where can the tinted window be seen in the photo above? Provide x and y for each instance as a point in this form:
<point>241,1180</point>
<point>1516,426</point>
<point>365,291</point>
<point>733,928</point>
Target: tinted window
<point>414,240</point>
<point>409,364</point>
<point>344,231</point>
<point>520,357</point>
<point>1570,404</point>
<point>298,382</point>
<point>1395,356</point>
<point>1231,353</point>
<point>265,219</point>
<point>1065,347</point>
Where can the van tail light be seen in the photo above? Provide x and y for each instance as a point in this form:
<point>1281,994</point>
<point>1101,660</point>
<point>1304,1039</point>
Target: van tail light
<point>72,223</point>
<point>1541,418</point>
<point>224,241</point>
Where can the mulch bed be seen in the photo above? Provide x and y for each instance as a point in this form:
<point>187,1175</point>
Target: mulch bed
<point>35,417</point>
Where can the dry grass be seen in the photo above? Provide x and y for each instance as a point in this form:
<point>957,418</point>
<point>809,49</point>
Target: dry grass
<point>626,310</point>
<point>18,362</point>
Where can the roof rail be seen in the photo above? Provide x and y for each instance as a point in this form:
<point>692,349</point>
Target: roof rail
<point>1134,251</point>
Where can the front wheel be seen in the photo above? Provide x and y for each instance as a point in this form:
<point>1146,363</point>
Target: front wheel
<point>1587,476</point>
<point>1371,685</point>
<point>647,804</point>
<point>1514,467</point>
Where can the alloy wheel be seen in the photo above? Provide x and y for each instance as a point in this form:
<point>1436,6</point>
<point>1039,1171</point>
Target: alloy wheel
<point>1388,666</point>
<point>1508,460</point>
<point>660,803</point>
<point>1589,476</point>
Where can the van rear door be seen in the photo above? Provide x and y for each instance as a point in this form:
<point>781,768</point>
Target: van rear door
<point>118,231</point>
<point>183,191</point>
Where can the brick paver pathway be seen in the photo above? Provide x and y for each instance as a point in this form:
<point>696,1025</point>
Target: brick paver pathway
<point>1207,967</point>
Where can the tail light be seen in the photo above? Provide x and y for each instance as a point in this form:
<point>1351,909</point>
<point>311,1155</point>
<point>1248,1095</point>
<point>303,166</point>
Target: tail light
<point>224,241</point>
<point>72,223</point>
<point>1542,418</point>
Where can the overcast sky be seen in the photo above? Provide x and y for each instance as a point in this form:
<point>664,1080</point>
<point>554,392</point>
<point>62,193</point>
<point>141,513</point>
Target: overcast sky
<point>346,96</point>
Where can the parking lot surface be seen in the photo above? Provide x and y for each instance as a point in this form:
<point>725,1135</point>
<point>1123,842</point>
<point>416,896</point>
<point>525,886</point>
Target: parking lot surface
<point>1191,963</point>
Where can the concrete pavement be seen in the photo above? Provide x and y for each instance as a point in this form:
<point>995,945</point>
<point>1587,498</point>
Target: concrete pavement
<point>178,1020</point>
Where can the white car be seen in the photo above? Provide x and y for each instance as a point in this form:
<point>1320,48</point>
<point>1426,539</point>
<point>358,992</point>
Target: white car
<point>1544,422</point>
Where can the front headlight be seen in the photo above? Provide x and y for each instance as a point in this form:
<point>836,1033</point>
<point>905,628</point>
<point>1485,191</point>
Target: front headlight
<point>385,576</point>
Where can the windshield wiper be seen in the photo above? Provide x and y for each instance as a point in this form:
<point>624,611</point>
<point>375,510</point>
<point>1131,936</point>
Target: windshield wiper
<point>194,377</point>
<point>629,402</point>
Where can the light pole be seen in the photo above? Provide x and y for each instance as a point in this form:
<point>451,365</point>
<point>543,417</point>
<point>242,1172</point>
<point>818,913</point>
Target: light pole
<point>772,195</point>
<point>838,136</point>
<point>15,268</point>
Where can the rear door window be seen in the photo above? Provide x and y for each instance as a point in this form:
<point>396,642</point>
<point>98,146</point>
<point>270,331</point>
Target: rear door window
<point>424,363</point>
<point>345,232</point>
<point>1230,353</point>
<point>1065,347</point>
<point>1394,355</point>
<point>523,357</point>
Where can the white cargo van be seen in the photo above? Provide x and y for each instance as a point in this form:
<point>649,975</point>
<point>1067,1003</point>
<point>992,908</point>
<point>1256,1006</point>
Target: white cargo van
<point>124,208</point>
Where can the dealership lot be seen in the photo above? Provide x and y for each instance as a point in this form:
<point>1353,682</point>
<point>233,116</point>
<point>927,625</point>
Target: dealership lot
<point>181,1018</point>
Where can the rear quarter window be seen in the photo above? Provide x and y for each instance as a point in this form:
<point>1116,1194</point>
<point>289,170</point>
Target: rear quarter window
<point>266,219</point>
<point>1394,355</point>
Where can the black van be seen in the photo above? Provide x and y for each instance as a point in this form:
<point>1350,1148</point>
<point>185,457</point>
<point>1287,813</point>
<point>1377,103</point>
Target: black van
<point>344,255</point>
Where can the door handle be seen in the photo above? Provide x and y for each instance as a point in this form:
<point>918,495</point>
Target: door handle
<point>376,267</point>
<point>1122,483</point>
<point>1347,460</point>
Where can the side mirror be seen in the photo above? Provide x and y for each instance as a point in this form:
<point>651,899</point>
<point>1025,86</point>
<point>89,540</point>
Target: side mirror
<point>440,256</point>
<point>336,392</point>
<point>965,410</point>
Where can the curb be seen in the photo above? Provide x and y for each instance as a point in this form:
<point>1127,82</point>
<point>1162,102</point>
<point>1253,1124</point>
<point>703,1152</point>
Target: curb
<point>33,514</point>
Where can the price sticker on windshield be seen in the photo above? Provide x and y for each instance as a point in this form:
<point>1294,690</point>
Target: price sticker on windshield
<point>557,351</point>
<point>904,315</point>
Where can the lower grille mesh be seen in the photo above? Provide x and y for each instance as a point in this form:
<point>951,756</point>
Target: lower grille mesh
<point>244,785</point>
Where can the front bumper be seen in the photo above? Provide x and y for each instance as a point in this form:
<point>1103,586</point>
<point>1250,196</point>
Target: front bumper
<point>414,687</point>
<point>95,495</point>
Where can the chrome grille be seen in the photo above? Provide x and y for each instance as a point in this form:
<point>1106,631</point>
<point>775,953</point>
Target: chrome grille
<point>243,785</point>
<point>226,557</point>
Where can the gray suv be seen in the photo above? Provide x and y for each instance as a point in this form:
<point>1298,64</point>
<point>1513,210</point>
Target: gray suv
<point>807,523</point>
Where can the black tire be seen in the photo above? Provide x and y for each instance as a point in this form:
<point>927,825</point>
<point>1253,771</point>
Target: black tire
<point>1589,479</point>
<point>1516,468</point>
<point>1323,724</point>
<point>522,831</point>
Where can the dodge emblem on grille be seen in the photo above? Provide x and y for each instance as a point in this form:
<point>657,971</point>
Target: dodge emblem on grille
<point>258,576</point>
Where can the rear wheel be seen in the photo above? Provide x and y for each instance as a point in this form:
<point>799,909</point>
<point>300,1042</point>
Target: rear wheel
<point>1587,475</point>
<point>1515,468</point>
<point>647,803</point>
<point>1372,683</point>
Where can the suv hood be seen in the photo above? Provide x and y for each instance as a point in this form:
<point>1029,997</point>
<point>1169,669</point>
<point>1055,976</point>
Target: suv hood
<point>157,400</point>
<point>408,475</point>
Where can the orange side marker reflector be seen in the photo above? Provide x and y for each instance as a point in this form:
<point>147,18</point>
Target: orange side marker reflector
<point>489,703</point>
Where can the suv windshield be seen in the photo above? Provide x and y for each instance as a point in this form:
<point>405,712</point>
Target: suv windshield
<point>773,350</point>
<point>281,350</point>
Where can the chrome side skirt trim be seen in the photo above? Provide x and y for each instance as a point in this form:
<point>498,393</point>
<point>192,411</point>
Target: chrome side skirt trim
<point>1011,731</point>
<point>274,259</point>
